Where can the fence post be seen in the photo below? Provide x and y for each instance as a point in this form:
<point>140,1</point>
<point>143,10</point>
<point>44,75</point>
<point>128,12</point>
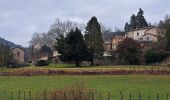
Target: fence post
<point>139,96</point>
<point>36,96</point>
<point>92,95</point>
<point>100,96</point>
<point>55,95</point>
<point>157,96</point>
<point>65,97</point>
<point>11,95</point>
<point>24,95</point>
<point>130,97</point>
<point>121,94</point>
<point>19,95</point>
<point>73,94</point>
<point>148,96</point>
<point>44,95</point>
<point>4,95</point>
<point>30,94</point>
<point>80,95</point>
<point>108,96</point>
<point>167,96</point>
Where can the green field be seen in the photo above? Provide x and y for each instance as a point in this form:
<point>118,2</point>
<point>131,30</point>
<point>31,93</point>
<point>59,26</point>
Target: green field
<point>105,83</point>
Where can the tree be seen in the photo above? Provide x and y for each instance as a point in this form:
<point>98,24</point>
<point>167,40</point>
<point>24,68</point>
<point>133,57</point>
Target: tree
<point>76,46</point>
<point>62,47</point>
<point>137,21</point>
<point>141,22</point>
<point>129,51</point>
<point>58,28</point>
<point>133,22</point>
<point>126,28</point>
<point>167,36</point>
<point>164,31</point>
<point>152,55</point>
<point>94,39</point>
<point>5,55</point>
<point>72,47</point>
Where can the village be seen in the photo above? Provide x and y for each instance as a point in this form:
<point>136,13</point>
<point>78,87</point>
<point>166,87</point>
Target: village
<point>89,61</point>
<point>147,37</point>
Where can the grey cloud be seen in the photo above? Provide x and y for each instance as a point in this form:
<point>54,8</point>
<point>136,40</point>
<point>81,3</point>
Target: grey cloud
<point>19,19</point>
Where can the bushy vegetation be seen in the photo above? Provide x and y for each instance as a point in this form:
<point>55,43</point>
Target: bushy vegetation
<point>76,47</point>
<point>5,55</point>
<point>152,55</point>
<point>129,51</point>
<point>42,63</point>
<point>136,21</point>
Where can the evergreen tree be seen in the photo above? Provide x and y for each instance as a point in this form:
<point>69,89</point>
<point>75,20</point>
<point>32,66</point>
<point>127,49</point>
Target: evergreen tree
<point>61,47</point>
<point>126,28</point>
<point>137,21</point>
<point>164,31</point>
<point>4,55</point>
<point>141,22</point>
<point>129,51</point>
<point>133,22</point>
<point>94,39</point>
<point>167,36</point>
<point>72,47</point>
<point>76,46</point>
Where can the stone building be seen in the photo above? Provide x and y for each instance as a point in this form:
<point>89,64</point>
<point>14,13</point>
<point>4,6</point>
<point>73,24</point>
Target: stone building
<point>18,55</point>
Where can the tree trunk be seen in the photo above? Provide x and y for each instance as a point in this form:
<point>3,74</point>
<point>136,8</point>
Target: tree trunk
<point>77,63</point>
<point>92,62</point>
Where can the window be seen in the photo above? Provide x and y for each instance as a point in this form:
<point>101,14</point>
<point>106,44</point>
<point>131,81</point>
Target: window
<point>147,38</point>
<point>18,53</point>
<point>140,38</point>
<point>137,34</point>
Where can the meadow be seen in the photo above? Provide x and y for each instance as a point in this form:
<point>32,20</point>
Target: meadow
<point>113,84</point>
<point>38,83</point>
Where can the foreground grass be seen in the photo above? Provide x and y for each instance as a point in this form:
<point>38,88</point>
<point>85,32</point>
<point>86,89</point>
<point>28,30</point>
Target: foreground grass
<point>114,84</point>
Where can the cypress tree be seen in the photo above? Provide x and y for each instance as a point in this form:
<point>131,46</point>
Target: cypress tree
<point>76,46</point>
<point>94,39</point>
<point>141,22</point>
<point>137,21</point>
<point>126,28</point>
<point>133,22</point>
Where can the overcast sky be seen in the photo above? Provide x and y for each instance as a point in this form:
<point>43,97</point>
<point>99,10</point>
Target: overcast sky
<point>19,19</point>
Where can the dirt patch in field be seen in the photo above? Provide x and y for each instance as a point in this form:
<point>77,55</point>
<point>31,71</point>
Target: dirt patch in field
<point>84,71</point>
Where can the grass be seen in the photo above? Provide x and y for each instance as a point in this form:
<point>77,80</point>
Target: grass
<point>60,65</point>
<point>100,66</point>
<point>101,83</point>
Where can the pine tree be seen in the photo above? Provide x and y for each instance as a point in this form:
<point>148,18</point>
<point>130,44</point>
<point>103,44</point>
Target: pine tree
<point>129,51</point>
<point>72,47</point>
<point>76,46</point>
<point>126,28</point>
<point>141,22</point>
<point>4,55</point>
<point>61,47</point>
<point>167,36</point>
<point>94,39</point>
<point>133,22</point>
<point>137,21</point>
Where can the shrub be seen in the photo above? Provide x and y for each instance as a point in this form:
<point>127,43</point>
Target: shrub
<point>152,55</point>
<point>129,50</point>
<point>42,63</point>
<point>14,65</point>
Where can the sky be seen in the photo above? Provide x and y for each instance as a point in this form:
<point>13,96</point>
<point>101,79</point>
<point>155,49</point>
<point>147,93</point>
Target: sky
<point>20,19</point>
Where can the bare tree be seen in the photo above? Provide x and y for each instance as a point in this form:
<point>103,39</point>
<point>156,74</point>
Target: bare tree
<point>58,28</point>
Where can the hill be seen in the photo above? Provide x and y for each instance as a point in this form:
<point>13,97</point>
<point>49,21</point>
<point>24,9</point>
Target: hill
<point>8,43</point>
